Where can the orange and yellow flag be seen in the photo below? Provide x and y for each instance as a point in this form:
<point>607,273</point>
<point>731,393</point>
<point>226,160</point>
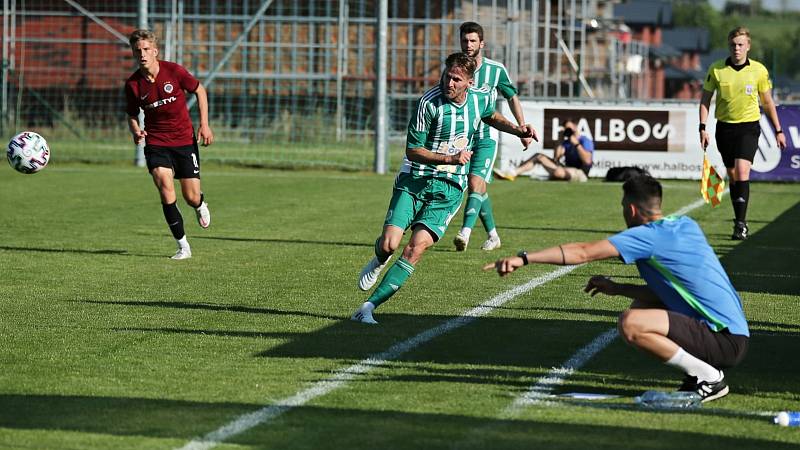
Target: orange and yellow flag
<point>711,185</point>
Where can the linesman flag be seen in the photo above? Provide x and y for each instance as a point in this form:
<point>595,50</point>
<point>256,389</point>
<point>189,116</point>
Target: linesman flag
<point>711,185</point>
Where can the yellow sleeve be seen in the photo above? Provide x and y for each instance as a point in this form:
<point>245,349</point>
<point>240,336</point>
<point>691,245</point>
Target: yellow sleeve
<point>764,83</point>
<point>711,83</point>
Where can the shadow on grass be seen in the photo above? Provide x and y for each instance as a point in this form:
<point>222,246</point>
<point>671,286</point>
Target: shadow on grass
<point>286,241</point>
<point>210,307</point>
<point>561,230</point>
<point>399,430</point>
<point>114,415</point>
<point>68,250</point>
<point>523,349</point>
<point>586,311</point>
<point>767,261</point>
<point>321,427</point>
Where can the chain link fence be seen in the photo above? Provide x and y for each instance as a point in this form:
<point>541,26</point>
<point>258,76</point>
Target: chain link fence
<point>291,83</point>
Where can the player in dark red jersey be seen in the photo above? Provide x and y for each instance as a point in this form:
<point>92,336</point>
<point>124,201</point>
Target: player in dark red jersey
<point>170,145</point>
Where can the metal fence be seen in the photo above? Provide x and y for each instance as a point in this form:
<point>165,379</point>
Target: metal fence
<point>291,83</point>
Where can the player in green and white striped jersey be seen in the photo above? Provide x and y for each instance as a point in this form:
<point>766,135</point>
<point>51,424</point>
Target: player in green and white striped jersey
<point>446,128</point>
<point>430,186</point>
<point>494,76</point>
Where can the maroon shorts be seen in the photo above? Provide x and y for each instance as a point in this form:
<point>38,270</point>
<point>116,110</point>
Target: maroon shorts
<point>720,349</point>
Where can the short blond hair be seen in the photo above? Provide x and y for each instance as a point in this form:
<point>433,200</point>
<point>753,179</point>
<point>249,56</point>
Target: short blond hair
<point>739,31</point>
<point>142,35</point>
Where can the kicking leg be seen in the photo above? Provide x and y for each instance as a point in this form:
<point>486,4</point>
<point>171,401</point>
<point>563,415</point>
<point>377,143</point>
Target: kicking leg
<point>193,194</point>
<point>396,276</point>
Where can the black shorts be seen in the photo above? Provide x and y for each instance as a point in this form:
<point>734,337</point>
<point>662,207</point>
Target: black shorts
<point>721,349</point>
<point>183,160</point>
<point>737,141</point>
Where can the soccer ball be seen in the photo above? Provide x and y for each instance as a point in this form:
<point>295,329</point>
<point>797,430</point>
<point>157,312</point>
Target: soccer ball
<point>28,152</point>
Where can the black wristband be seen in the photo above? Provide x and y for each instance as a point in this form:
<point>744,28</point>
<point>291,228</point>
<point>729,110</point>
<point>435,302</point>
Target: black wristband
<point>779,132</point>
<point>702,127</point>
<point>524,255</point>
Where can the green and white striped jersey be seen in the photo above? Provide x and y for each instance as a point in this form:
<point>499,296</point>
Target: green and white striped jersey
<point>493,74</point>
<point>444,127</point>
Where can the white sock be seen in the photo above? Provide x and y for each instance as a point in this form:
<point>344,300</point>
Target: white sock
<point>183,243</point>
<point>369,306</point>
<point>694,366</point>
<point>466,232</point>
<point>493,234</point>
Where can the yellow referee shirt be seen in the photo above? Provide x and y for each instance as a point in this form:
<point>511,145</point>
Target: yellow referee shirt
<point>737,90</point>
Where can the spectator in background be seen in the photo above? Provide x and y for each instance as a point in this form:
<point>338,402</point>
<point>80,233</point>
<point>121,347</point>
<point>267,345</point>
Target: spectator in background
<point>576,151</point>
<point>739,82</point>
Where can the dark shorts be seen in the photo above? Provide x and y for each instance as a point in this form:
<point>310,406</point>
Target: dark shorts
<point>737,141</point>
<point>183,160</point>
<point>721,349</point>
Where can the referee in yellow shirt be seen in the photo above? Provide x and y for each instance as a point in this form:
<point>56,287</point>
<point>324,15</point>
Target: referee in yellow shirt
<point>739,83</point>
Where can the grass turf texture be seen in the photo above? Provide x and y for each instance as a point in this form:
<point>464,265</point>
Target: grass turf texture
<point>273,153</point>
<point>106,343</point>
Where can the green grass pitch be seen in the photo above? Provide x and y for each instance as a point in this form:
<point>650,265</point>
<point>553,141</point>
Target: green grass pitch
<point>107,343</point>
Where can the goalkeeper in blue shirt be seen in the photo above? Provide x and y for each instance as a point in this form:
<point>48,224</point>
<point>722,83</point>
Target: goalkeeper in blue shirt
<point>687,314</point>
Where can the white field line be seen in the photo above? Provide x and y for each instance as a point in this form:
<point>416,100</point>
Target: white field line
<point>341,377</point>
<point>544,386</point>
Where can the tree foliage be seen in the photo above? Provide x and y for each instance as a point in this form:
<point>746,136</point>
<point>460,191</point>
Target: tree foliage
<point>776,37</point>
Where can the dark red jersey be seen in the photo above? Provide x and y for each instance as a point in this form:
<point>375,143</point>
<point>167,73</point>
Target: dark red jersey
<point>166,117</point>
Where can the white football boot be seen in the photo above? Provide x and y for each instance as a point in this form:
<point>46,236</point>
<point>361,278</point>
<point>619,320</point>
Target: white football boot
<point>461,241</point>
<point>370,272</point>
<point>203,215</point>
<point>491,244</point>
<point>364,314</point>
<point>183,253</point>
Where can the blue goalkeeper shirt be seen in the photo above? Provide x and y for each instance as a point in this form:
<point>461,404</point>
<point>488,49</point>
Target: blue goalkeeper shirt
<point>677,263</point>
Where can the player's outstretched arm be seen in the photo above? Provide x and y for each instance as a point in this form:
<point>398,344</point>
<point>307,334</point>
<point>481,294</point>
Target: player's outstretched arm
<point>204,134</point>
<point>565,254</point>
<point>516,110</point>
<point>497,120</point>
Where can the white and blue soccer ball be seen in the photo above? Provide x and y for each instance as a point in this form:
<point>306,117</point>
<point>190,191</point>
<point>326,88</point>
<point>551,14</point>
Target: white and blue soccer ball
<point>28,152</point>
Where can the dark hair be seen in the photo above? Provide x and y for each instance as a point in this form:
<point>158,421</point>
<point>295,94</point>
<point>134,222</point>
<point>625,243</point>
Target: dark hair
<point>471,27</point>
<point>467,63</point>
<point>643,191</point>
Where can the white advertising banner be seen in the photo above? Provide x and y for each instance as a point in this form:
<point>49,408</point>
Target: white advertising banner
<point>660,137</point>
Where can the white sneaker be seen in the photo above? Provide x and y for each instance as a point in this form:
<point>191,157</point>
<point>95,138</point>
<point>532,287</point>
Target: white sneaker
<point>491,244</point>
<point>461,242</point>
<point>364,314</point>
<point>183,253</point>
<point>203,215</point>
<point>370,272</point>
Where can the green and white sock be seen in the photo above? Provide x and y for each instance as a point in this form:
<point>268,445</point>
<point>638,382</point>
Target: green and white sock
<point>487,215</point>
<point>472,209</point>
<point>394,279</point>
